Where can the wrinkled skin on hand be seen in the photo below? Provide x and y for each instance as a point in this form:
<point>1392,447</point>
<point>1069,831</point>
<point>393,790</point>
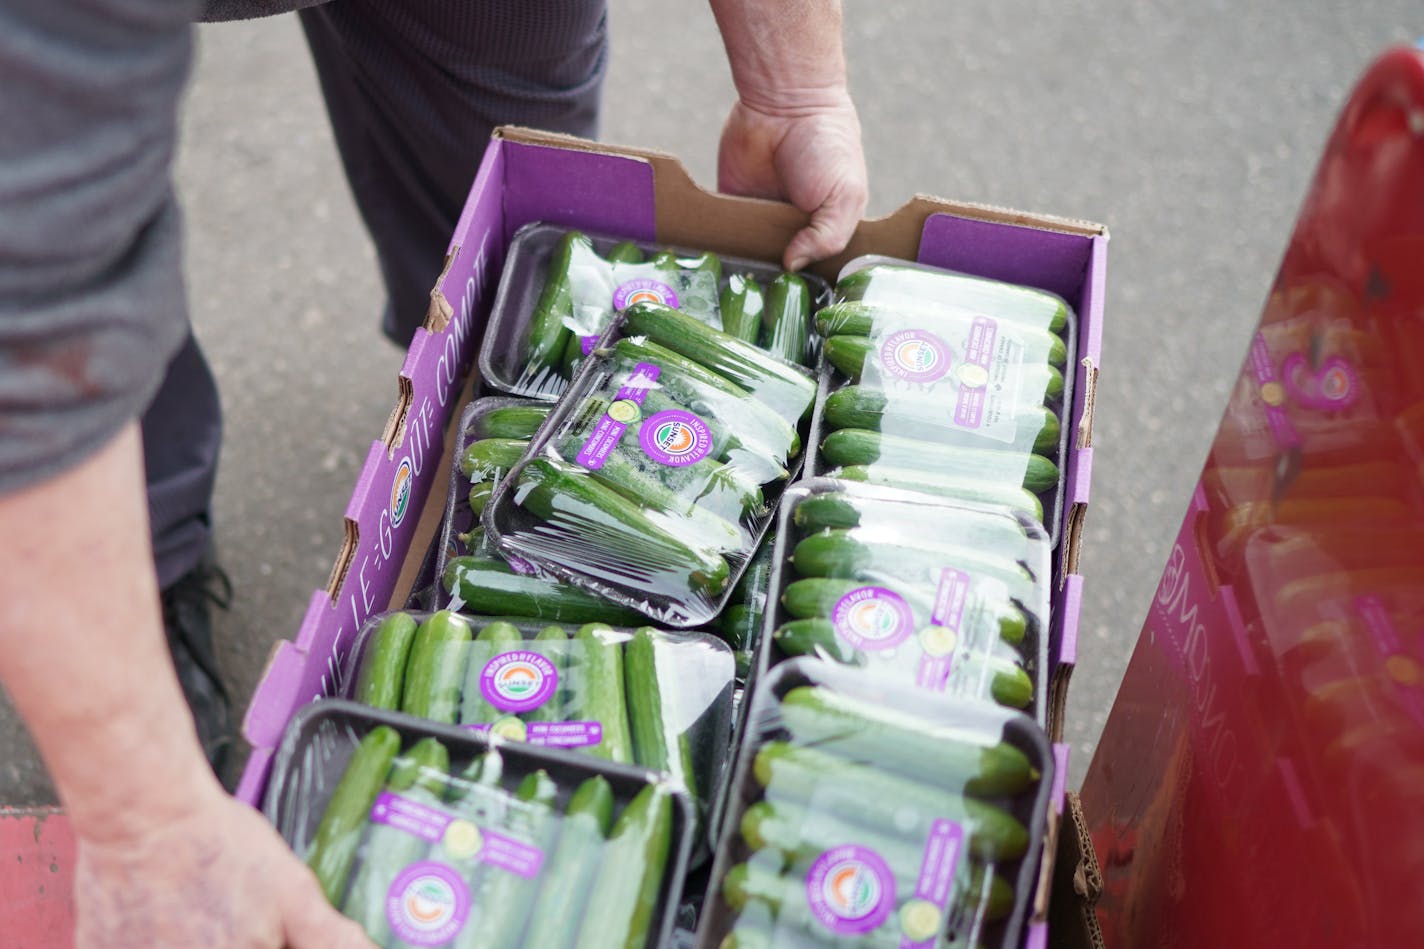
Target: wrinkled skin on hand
<point>810,156</point>
<point>217,876</point>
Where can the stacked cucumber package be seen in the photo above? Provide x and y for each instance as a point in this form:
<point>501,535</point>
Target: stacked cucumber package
<point>561,288</point>
<point>655,477</point>
<point>645,697</point>
<point>859,824</point>
<point>948,597</point>
<point>946,384</point>
<point>437,841</point>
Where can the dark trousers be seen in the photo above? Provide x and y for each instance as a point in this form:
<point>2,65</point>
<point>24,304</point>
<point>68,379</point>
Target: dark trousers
<point>413,89</point>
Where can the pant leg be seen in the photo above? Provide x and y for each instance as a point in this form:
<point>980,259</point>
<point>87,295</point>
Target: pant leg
<point>182,431</point>
<point>415,87</point>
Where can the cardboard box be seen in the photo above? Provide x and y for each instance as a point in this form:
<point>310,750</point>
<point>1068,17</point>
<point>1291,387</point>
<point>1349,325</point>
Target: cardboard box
<point>399,497</point>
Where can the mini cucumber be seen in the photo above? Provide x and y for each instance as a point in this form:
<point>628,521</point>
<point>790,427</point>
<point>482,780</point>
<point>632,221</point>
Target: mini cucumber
<point>773,381</point>
<point>421,777</point>
<point>816,597</point>
<point>487,456</point>
<point>943,486</point>
<point>494,639</point>
<point>490,587</point>
<point>480,493</point>
<point>548,329</point>
<point>436,669</point>
<point>598,696</point>
<point>742,303</point>
<point>509,898</point>
<point>800,836</point>
<point>815,636</point>
<point>736,626</point>
<point>338,834</point>
<point>871,798</point>
<point>573,867</point>
<point>926,420</point>
<point>850,447</point>
<point>656,745</point>
<point>857,554</point>
<point>853,344</point>
<point>514,421</point>
<point>964,526</point>
<point>941,755</point>
<point>552,642</point>
<point>786,321</point>
<point>624,898</point>
<point>625,252</point>
<point>382,676</point>
<point>912,285</point>
<point>568,498</point>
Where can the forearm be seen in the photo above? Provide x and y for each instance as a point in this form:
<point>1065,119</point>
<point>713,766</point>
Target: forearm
<point>82,649</point>
<point>786,55</point>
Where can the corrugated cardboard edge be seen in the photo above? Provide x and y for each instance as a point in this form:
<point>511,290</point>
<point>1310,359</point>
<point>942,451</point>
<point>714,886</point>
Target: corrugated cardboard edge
<point>1077,882</point>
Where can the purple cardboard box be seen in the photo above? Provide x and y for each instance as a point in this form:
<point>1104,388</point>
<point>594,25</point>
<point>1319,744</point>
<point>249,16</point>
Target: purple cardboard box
<point>526,176</point>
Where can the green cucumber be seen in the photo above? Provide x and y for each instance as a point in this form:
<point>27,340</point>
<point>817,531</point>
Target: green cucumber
<point>624,898</point>
<point>596,695</point>
<point>338,834</point>
<point>548,327</point>
<point>856,554</point>
<point>786,321</point>
<point>942,755</point>
<point>514,421</point>
<point>869,797</point>
<point>626,537</point>
<point>489,586</point>
<point>816,597</point>
<point>851,345</point>
<point>421,776</point>
<point>912,285</point>
<point>509,898</point>
<point>742,303</point>
<point>382,676</point>
<point>656,745</point>
<point>771,380</point>
<point>815,636</point>
<point>494,639</point>
<point>625,252</point>
<point>848,447</point>
<point>574,866</point>
<point>736,626</point>
<point>964,526</point>
<point>487,457</point>
<point>552,642</point>
<point>436,669</point>
<point>944,486</point>
<point>746,934</point>
<point>924,420</point>
<point>480,493</point>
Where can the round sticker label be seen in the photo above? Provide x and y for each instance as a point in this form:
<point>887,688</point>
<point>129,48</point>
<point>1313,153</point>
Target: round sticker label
<point>427,904</point>
<point>915,356</point>
<point>644,290</point>
<point>518,681</point>
<point>873,618</point>
<point>676,438</point>
<point>850,889</point>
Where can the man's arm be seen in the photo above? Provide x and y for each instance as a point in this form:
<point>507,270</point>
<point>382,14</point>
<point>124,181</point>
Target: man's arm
<point>794,134</point>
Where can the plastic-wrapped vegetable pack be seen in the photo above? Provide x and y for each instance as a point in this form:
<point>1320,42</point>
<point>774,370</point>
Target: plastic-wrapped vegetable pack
<point>560,289</point>
<point>655,477</point>
<point>943,596</point>
<point>946,384</point>
<point>428,836</point>
<point>862,815</point>
<point>660,700</point>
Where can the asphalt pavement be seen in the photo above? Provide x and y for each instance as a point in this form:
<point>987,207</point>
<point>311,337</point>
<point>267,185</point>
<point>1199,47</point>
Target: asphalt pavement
<point>1190,130</point>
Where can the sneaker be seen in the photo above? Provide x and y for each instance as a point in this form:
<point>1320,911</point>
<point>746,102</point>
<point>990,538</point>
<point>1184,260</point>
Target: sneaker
<point>187,615</point>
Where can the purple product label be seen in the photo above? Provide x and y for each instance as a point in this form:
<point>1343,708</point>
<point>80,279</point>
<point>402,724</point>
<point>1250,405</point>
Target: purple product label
<point>922,918</point>
<point>519,565</point>
<point>588,343</point>
<point>939,641</point>
<point>978,354</point>
<point>427,904</point>
<point>1273,394</point>
<point>626,408</point>
<point>518,681</point>
<point>555,734</point>
<point>1404,670</point>
<point>873,618</point>
<point>915,356</point>
<point>850,890</point>
<point>1332,386</point>
<point>423,821</point>
<point>644,290</point>
<point>676,438</point>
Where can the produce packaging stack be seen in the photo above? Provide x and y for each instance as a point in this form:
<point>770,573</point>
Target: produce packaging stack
<point>635,593</point>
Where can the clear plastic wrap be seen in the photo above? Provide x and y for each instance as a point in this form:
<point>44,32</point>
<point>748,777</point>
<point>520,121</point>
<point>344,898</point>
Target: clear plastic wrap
<point>560,289</point>
<point>656,476</point>
<point>939,596</point>
<point>430,836</point>
<point>947,384</point>
<point>862,815</point>
<point>660,700</point>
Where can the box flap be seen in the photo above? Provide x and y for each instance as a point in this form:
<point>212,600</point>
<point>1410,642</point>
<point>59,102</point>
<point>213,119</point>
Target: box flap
<point>1077,884</point>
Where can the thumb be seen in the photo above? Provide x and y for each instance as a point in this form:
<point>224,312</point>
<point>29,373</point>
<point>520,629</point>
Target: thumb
<point>830,230</point>
<point>310,922</point>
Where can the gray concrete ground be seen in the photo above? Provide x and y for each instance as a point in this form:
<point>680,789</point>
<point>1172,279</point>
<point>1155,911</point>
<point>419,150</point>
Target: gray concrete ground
<point>1191,130</point>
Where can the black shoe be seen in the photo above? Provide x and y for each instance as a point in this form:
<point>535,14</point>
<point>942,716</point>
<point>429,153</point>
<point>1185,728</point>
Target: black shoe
<point>187,614</point>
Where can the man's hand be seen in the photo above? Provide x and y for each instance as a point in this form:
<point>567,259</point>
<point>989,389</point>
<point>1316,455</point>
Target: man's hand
<point>218,876</point>
<point>810,157</point>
